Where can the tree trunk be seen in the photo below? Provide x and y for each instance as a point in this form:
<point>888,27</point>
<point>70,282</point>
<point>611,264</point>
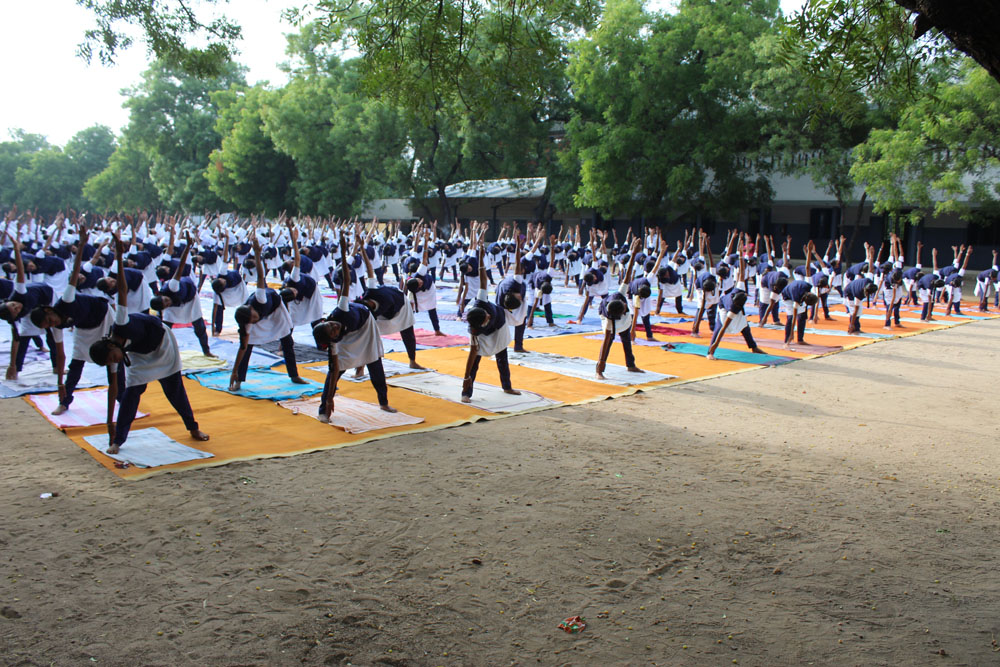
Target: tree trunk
<point>854,228</point>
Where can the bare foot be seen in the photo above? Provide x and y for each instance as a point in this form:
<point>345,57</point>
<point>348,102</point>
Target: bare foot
<point>515,392</point>
<point>828,319</point>
<point>417,367</point>
<point>211,356</point>
<point>600,376</point>
<point>60,410</point>
<point>635,369</point>
<point>299,380</point>
<point>757,350</point>
<point>234,386</point>
<point>887,327</point>
<point>467,399</point>
<point>201,436</point>
<point>113,449</point>
<point>710,357</point>
<point>388,408</point>
<point>440,333</point>
<point>358,373</point>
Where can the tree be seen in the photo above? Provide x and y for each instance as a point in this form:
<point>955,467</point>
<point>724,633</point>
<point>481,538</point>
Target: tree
<point>347,148</point>
<point>942,158</point>
<point>125,184</point>
<point>165,26</point>
<point>246,170</point>
<point>15,154</point>
<point>172,120</point>
<point>664,109</point>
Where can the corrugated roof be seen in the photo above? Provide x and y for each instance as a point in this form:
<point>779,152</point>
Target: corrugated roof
<point>502,188</point>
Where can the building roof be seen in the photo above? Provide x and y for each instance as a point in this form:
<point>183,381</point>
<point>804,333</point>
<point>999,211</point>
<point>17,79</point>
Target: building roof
<point>501,188</point>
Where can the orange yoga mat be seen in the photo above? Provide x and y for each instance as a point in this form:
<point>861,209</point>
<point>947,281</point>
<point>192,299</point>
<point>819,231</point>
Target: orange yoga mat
<point>243,429</point>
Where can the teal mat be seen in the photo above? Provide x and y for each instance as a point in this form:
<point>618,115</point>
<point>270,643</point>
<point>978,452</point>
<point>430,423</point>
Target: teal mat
<point>744,357</point>
<point>260,384</point>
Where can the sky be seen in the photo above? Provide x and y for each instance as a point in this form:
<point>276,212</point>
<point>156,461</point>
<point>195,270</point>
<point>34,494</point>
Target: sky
<point>51,91</point>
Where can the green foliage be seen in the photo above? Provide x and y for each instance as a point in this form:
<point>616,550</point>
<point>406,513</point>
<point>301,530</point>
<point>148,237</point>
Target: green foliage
<point>347,148</point>
<point>944,155</point>
<point>850,47</point>
<point>37,175</point>
<point>166,27</point>
<point>16,154</point>
<point>664,108</point>
<point>172,120</point>
<point>425,55</point>
<point>246,170</point>
<point>125,184</point>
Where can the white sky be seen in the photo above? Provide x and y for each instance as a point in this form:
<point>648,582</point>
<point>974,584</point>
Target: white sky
<point>48,90</point>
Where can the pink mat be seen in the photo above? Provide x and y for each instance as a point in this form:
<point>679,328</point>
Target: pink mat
<point>795,347</point>
<point>89,408</point>
<point>428,338</point>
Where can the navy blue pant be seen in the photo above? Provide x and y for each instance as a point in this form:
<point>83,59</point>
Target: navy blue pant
<point>519,337</point>
<point>23,342</point>
<point>647,325</point>
<point>409,342</point>
<point>549,319</point>
<point>173,389</point>
<point>503,367</point>
<point>433,314</point>
<point>801,317</point>
<point>710,314</point>
<point>377,375</point>
<point>199,330</point>
<point>287,349</point>
<point>626,338</point>
<point>380,275</point>
<point>892,312</point>
<point>218,311</point>
<point>73,378</point>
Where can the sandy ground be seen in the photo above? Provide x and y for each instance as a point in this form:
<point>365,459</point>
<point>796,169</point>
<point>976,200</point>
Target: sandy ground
<point>835,511</point>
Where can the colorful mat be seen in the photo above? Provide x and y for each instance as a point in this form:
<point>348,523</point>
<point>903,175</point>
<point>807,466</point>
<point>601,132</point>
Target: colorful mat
<point>89,408</point>
<point>742,356</point>
<point>351,415</point>
<point>260,384</point>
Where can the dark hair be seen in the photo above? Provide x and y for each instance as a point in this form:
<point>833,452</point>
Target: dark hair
<point>938,284</point>
<point>644,291</point>
<point>956,281</point>
<point>590,278</point>
<point>287,295</point>
<point>476,317</point>
<point>511,301</point>
<point>249,263</point>
<point>38,315</point>
<point>897,277</point>
<point>663,274</point>
<point>156,303</point>
<point>810,298</point>
<point>648,266</point>
<point>752,261</point>
<point>871,288</point>
<point>780,283</point>
<point>219,285</point>
<point>823,281</point>
<point>412,266</point>
<point>722,271</point>
<point>163,272</point>
<point>321,336</point>
<point>709,285</point>
<point>739,300</point>
<point>546,287</point>
<point>615,309</point>
<point>104,284</point>
<point>100,349</point>
<point>463,267</point>
<point>573,256</point>
<point>242,315</point>
<point>413,285</point>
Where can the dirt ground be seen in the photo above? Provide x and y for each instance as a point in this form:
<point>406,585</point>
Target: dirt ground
<point>836,511</point>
